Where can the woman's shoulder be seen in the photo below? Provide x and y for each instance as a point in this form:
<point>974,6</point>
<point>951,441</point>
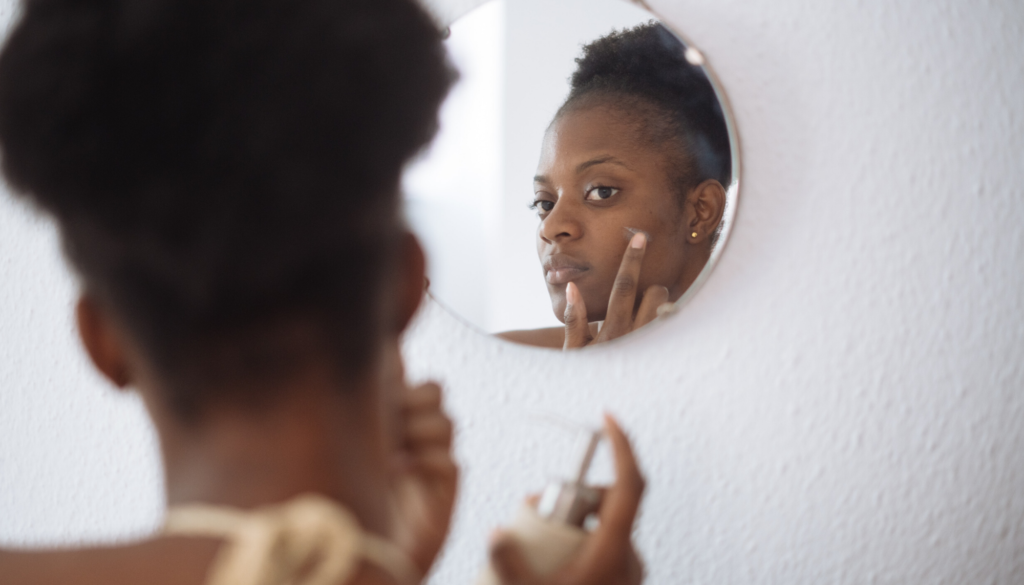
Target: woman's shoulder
<point>161,561</point>
<point>553,337</point>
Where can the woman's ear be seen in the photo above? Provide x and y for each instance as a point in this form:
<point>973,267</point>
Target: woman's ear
<point>706,204</point>
<point>411,280</point>
<point>102,342</point>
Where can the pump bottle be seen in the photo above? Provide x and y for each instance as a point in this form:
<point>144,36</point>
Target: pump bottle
<point>550,534</point>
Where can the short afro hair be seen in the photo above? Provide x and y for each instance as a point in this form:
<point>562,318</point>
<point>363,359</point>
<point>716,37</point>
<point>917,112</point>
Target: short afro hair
<point>217,165</point>
<point>644,70</point>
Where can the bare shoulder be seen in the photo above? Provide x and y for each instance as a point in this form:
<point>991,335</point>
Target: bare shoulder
<point>553,337</point>
<point>165,561</point>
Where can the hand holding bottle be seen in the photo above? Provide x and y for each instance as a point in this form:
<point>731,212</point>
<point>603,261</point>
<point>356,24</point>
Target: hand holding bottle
<point>606,556</point>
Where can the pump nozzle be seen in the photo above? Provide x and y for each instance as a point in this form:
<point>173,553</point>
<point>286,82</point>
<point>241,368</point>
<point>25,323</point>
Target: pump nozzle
<point>571,502</point>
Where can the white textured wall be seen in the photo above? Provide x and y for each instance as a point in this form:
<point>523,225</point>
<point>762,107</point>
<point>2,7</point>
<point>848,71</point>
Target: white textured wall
<point>78,460</point>
<point>841,403</point>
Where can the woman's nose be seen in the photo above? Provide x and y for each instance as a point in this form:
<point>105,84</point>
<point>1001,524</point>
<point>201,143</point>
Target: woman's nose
<point>562,223</point>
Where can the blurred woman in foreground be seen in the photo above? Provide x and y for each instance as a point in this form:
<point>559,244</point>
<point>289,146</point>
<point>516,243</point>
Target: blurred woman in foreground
<point>224,175</point>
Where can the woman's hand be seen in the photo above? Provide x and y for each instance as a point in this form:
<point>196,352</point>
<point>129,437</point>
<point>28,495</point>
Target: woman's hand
<point>429,476</point>
<point>607,557</point>
<point>619,319</point>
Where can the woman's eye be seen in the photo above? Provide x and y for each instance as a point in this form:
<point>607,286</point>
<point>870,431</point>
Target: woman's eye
<point>542,206</point>
<point>601,193</point>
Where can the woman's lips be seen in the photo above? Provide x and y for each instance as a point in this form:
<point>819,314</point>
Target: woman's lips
<point>563,275</point>
<point>561,269</point>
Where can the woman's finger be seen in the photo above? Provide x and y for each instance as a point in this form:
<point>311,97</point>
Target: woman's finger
<point>577,328</point>
<point>423,397</point>
<point>654,297</point>
<point>608,548</point>
<point>436,463</point>
<point>509,562</point>
<point>428,430</point>
<point>623,498</point>
<point>619,319</point>
<point>424,476</point>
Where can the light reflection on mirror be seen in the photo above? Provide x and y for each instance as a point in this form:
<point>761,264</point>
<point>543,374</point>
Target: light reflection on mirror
<point>612,162</point>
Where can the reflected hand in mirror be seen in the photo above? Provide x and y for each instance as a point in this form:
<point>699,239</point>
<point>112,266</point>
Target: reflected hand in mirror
<point>627,311</point>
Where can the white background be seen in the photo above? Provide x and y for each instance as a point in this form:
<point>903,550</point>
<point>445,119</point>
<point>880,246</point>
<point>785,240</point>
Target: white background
<point>841,403</point>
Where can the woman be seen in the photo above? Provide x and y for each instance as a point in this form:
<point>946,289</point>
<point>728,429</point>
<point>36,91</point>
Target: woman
<point>224,176</point>
<point>638,153</point>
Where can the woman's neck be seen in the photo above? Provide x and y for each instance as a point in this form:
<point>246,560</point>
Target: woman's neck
<point>691,271</point>
<point>315,438</point>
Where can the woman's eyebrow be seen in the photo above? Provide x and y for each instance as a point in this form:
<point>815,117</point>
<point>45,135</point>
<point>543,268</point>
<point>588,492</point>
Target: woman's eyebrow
<point>586,165</point>
<point>600,160</point>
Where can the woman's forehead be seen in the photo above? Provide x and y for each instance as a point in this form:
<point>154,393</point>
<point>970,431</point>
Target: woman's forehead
<point>600,132</point>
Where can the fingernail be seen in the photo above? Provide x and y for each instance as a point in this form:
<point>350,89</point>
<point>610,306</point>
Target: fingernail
<point>666,309</point>
<point>638,240</point>
<point>570,294</point>
<point>630,232</point>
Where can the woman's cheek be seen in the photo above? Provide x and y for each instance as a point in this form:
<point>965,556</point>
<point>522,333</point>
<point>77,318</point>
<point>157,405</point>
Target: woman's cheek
<point>596,295</point>
<point>661,267</point>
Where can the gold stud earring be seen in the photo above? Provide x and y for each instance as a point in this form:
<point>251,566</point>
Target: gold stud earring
<point>693,235</point>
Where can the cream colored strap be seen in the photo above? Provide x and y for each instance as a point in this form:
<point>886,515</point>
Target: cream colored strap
<point>309,540</point>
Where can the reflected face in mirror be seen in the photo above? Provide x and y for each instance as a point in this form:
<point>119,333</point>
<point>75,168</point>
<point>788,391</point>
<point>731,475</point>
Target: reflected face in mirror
<point>601,178</point>
<point>635,147</point>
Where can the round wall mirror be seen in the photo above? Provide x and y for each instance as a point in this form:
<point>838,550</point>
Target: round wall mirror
<point>585,177</point>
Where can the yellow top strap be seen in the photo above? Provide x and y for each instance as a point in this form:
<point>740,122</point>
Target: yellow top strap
<point>309,540</point>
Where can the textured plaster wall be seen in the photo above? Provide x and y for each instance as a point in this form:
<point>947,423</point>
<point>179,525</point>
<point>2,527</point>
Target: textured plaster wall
<point>841,403</point>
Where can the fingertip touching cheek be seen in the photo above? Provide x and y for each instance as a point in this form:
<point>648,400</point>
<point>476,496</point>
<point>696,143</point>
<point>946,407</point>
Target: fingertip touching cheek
<point>597,183</point>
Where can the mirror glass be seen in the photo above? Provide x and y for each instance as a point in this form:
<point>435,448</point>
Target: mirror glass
<point>575,126</point>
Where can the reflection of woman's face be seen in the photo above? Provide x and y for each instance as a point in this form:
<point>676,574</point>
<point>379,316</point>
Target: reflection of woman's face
<point>596,178</point>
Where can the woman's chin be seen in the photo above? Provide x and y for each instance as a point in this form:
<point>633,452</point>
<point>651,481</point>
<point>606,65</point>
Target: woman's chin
<point>597,304</point>
<point>558,308</point>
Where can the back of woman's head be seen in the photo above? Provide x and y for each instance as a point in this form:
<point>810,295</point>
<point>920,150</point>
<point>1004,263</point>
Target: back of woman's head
<point>645,70</point>
<point>216,165</point>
